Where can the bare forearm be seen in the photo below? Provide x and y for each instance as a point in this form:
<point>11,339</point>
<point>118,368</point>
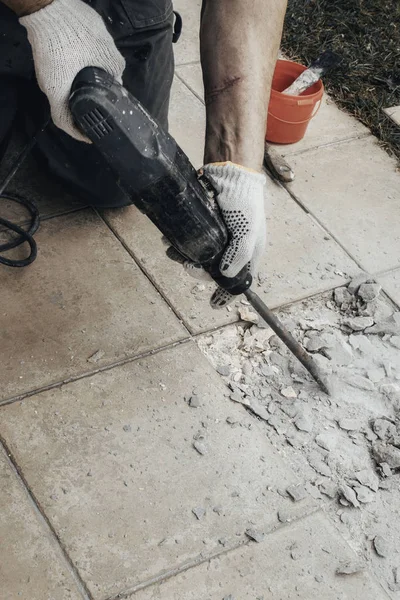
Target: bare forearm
<point>239,45</point>
<point>25,7</point>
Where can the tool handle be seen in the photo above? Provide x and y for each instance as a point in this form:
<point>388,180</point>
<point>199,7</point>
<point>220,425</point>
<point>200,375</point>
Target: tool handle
<point>234,285</point>
<point>166,187</point>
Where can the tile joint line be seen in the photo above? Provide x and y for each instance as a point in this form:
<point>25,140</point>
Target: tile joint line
<point>39,510</point>
<point>73,379</point>
<point>196,562</point>
<point>145,272</point>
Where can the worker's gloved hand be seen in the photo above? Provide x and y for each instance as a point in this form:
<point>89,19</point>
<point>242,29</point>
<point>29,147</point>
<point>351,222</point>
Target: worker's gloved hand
<point>66,36</point>
<point>240,196</point>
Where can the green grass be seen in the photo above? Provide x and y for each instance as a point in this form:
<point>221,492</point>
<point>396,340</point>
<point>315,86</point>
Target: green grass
<point>366,33</point>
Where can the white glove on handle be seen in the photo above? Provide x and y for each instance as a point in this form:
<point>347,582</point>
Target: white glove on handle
<point>240,196</point>
<point>66,36</point>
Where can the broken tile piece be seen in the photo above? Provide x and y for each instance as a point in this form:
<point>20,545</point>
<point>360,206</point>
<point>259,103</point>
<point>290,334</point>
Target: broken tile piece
<point>337,349</point>
<point>327,441</point>
<point>296,492</point>
<point>284,516</point>
<point>369,291</point>
<point>316,462</point>
<point>314,343</point>
<point>357,281</point>
<point>94,358</point>
<point>329,489</point>
<point>396,574</point>
<point>199,512</point>
<point>253,534</point>
<point>376,374</point>
<point>385,453</point>
<point>246,314</point>
<point>359,323</point>
<point>384,429</point>
<point>390,326</point>
<point>200,447</point>
<point>386,470</point>
<point>358,381</point>
<point>349,494</point>
<point>364,494</point>
<point>224,370</point>
<point>350,567</point>
<point>342,296</point>
<point>304,421</point>
<point>237,397</point>
<point>368,478</point>
<point>295,552</point>
<point>288,392</point>
<point>381,546</point>
<point>194,401</point>
<point>349,424</point>
<point>278,424</point>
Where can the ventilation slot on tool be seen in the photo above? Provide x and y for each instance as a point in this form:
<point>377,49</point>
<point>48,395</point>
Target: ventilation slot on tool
<point>97,122</point>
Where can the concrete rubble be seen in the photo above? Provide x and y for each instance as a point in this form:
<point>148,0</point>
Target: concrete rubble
<point>346,448</point>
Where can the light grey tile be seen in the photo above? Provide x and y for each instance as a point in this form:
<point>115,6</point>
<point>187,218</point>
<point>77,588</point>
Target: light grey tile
<point>188,47</point>
<point>192,76</point>
<point>31,563</point>
<point>394,113</point>
<point>111,460</point>
<point>391,284</point>
<point>268,570</point>
<point>354,189</point>
<point>187,122</point>
<point>83,295</point>
<point>300,260</point>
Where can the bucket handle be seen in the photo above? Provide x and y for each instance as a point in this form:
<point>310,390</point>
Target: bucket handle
<point>318,106</point>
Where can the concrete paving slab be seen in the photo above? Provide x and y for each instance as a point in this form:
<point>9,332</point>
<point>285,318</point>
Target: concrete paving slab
<point>188,47</point>
<point>83,295</point>
<point>354,190</point>
<point>330,125</point>
<point>297,562</point>
<point>31,182</point>
<point>111,460</point>
<point>192,76</point>
<point>187,122</point>
<point>31,564</point>
<point>391,284</point>
<point>300,260</point>
<point>394,113</point>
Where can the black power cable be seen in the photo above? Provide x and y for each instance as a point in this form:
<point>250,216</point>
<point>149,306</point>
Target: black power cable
<point>24,236</point>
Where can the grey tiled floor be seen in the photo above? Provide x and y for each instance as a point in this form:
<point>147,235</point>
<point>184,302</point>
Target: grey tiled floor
<point>99,475</point>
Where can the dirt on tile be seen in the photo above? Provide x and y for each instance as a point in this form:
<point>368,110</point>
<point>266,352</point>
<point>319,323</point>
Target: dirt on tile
<point>346,446</point>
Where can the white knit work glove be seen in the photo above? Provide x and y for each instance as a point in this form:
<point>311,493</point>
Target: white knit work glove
<point>66,36</point>
<point>240,196</point>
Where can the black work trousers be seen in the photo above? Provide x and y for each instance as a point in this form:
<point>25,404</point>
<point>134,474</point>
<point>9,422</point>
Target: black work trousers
<point>143,33</point>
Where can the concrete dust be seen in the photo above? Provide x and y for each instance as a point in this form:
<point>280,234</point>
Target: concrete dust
<point>345,447</point>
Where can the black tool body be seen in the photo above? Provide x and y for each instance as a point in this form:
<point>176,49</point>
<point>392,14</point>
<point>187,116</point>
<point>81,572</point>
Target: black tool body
<point>168,189</point>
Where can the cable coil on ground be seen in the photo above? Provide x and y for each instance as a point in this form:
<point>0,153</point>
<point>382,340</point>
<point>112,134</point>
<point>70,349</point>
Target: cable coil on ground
<point>23,235</point>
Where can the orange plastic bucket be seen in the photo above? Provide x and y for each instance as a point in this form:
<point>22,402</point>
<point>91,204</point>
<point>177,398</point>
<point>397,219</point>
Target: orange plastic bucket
<point>288,116</point>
